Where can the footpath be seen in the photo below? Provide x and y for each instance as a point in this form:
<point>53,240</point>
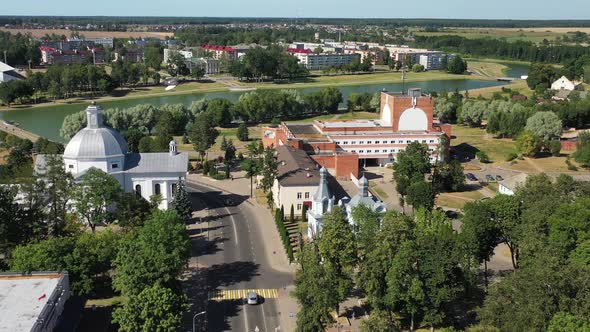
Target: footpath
<point>275,253</point>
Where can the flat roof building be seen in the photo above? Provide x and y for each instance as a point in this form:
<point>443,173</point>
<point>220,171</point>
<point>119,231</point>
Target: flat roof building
<point>32,302</point>
<point>341,146</point>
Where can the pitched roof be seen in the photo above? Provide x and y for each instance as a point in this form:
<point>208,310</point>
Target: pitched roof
<point>4,67</point>
<point>296,168</point>
<point>156,163</point>
<point>514,182</point>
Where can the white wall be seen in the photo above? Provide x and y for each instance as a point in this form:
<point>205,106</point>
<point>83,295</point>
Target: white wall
<point>413,119</point>
<point>286,196</point>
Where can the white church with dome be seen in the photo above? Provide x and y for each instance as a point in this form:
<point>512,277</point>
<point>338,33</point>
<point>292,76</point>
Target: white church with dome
<point>101,147</point>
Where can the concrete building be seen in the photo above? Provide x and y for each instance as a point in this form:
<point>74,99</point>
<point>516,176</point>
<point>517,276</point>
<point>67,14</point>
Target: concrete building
<point>314,61</point>
<point>343,146</point>
<point>563,83</point>
<point>168,52</point>
<point>509,186</point>
<point>435,61</point>
<point>362,198</point>
<point>32,302</point>
<point>296,181</point>
<point>135,55</point>
<point>146,174</point>
<point>52,56</point>
<point>322,203</point>
<point>8,73</point>
<point>106,42</point>
<point>218,52</point>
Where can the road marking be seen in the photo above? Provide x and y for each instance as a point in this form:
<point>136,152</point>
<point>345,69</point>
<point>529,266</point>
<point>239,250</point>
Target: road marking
<point>238,294</point>
<point>233,221</point>
<point>263,316</point>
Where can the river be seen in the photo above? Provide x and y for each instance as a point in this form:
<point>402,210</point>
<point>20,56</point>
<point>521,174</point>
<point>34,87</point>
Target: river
<point>46,121</point>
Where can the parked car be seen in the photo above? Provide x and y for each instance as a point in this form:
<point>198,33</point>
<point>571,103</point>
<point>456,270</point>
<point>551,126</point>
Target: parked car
<point>471,177</point>
<point>490,178</point>
<point>499,178</point>
<point>252,298</point>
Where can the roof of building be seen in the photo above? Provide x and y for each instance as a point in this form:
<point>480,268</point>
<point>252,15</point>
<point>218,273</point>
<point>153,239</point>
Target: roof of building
<point>296,168</point>
<point>354,124</point>
<point>96,143</point>
<point>23,299</point>
<point>323,191</point>
<point>515,181</point>
<point>96,140</point>
<point>306,131</point>
<point>364,197</point>
<point>156,163</point>
<point>218,48</point>
<point>4,67</point>
<point>300,50</point>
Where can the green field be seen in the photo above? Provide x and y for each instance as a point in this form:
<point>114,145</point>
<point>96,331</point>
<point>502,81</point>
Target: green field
<point>509,34</point>
<point>469,140</point>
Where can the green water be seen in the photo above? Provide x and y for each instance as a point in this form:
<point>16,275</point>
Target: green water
<point>46,121</point>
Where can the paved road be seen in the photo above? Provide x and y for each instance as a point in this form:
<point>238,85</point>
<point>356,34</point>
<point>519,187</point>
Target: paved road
<point>233,258</point>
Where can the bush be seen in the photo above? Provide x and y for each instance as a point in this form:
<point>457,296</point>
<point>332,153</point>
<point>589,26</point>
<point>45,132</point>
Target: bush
<point>555,148</point>
<point>218,176</point>
<point>570,166</point>
<point>511,156</point>
<point>483,157</point>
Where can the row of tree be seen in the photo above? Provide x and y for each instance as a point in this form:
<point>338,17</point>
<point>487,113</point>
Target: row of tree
<point>267,63</point>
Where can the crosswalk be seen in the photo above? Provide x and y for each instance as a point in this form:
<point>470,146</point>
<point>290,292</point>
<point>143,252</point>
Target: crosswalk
<point>237,294</point>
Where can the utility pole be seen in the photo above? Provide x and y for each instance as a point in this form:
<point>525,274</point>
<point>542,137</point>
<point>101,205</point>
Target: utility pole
<point>6,62</point>
<point>251,176</point>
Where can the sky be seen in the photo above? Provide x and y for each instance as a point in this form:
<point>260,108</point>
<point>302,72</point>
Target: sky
<point>456,9</point>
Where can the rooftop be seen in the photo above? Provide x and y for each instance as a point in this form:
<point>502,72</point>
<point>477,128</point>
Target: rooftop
<point>156,162</point>
<point>23,298</point>
<point>354,124</point>
<point>296,168</point>
<point>306,131</point>
<point>514,182</point>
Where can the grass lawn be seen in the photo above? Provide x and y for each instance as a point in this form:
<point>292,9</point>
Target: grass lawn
<point>105,302</point>
<point>518,85</point>
<point>543,165</point>
<point>487,69</point>
<point>229,133</point>
<point>312,119</point>
<point>459,199</point>
<point>470,140</point>
<point>382,194</point>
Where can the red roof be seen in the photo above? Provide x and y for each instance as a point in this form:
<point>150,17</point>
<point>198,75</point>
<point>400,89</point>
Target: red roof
<point>47,49</point>
<point>298,50</point>
<point>218,48</point>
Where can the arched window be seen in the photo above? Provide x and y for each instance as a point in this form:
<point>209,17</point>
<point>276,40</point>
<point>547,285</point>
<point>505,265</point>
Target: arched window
<point>138,190</point>
<point>157,189</point>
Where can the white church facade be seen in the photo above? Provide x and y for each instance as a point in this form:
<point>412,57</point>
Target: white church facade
<point>100,147</point>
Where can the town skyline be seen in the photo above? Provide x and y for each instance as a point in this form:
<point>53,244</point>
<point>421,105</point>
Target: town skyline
<point>454,9</point>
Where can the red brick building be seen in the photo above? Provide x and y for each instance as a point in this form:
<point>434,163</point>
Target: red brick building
<point>344,146</point>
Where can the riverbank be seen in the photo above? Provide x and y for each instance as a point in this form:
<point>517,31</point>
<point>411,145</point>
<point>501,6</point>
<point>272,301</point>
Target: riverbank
<point>189,88</point>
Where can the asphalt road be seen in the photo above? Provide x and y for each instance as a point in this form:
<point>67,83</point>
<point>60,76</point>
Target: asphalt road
<point>232,258</point>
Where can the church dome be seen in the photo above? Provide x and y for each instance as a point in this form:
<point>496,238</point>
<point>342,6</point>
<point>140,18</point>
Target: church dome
<point>95,141</point>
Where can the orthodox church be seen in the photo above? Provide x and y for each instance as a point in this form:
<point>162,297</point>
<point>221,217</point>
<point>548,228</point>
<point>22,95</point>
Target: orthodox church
<point>101,147</point>
<point>322,203</point>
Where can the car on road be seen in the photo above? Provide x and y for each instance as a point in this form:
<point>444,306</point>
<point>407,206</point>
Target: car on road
<point>499,178</point>
<point>252,298</point>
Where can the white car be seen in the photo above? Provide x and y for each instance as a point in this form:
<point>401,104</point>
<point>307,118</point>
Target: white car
<point>252,298</point>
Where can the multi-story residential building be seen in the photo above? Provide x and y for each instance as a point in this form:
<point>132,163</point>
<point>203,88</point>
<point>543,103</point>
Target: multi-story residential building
<point>315,61</point>
<point>218,52</point>
<point>435,61</point>
<point>297,179</point>
<point>343,146</point>
<point>135,55</point>
<point>168,52</point>
<point>53,56</point>
<point>106,42</point>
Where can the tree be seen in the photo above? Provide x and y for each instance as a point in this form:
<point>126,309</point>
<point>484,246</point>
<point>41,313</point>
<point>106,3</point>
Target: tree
<point>202,133</point>
<point>449,177</point>
<point>180,201</point>
<point>157,255</point>
<point>473,112</point>
<point>379,321</point>
<point>337,247</point>
<point>87,258</point>
<point>420,195</point>
<point>566,322</point>
<point>230,152</point>
<point>154,309</point>
<point>331,98</point>
<point>582,154</point>
<point>417,68</point>
<point>146,144</point>
<point>457,65</point>
<point>220,111</point>
<point>96,195</point>
<point>541,75</point>
<point>411,165</point>
<point>133,136</point>
<point>545,125</point>
<point>153,57</point>
<point>12,226</point>
<point>132,210</point>
<point>555,147</point>
<point>59,187</point>
<point>366,224</point>
<point>269,169</point>
<point>314,292</point>
<point>528,144</point>
<point>243,132</point>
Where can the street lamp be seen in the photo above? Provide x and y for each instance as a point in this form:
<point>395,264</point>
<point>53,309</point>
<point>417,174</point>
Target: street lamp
<point>195,316</point>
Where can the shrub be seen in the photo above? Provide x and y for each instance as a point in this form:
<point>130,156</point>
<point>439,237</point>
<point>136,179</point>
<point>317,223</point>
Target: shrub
<point>511,156</point>
<point>555,147</point>
<point>570,166</point>
<point>218,176</point>
<point>483,157</point>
